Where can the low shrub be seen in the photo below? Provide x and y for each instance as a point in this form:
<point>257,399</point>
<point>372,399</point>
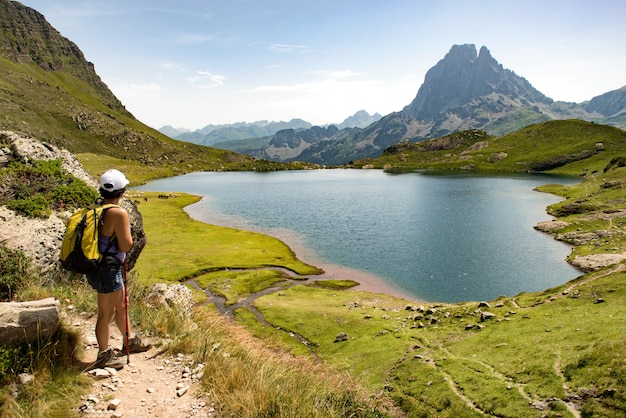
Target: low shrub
<point>36,189</point>
<point>14,266</point>
<point>572,209</point>
<point>13,360</point>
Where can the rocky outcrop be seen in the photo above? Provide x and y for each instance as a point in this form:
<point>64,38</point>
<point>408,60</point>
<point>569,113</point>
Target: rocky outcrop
<point>591,262</point>
<point>609,104</point>
<point>594,262</point>
<point>175,296</point>
<point>289,144</point>
<point>40,239</point>
<point>25,149</point>
<point>551,226</point>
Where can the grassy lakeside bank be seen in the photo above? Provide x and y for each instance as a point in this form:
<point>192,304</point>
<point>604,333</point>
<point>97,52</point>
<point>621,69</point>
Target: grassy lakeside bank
<point>554,353</point>
<point>181,248</point>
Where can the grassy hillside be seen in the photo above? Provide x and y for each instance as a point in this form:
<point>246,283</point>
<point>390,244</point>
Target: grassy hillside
<point>566,146</point>
<point>538,355</point>
<point>48,90</point>
<point>61,109</point>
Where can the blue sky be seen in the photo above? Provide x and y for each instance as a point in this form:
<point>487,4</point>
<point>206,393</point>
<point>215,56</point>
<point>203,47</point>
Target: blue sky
<point>190,63</point>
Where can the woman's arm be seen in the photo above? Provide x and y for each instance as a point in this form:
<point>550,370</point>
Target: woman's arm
<point>121,223</point>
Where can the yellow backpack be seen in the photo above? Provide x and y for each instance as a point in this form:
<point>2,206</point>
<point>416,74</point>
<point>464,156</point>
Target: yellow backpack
<point>79,250</point>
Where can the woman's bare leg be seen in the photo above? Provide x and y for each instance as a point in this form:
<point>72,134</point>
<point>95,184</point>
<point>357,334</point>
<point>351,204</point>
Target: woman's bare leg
<point>107,303</point>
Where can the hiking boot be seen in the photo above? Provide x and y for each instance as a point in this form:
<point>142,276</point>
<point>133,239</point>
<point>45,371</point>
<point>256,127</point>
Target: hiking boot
<point>135,345</point>
<point>107,358</point>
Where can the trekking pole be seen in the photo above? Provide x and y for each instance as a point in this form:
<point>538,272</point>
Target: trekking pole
<point>127,337</point>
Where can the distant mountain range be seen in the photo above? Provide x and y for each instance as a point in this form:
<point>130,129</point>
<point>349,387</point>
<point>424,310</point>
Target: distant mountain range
<point>465,90</point>
<point>215,134</point>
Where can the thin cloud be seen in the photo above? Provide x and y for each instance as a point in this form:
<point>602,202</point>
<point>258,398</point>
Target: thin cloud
<point>207,79</point>
<point>285,48</point>
<point>329,80</point>
<point>192,39</point>
<point>287,88</point>
<point>337,74</point>
<point>170,65</point>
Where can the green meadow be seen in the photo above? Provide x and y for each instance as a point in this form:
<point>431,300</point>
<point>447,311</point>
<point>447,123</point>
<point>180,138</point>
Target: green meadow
<point>561,352</point>
<point>294,345</point>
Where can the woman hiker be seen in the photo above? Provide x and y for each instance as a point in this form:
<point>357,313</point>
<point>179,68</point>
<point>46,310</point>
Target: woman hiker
<point>108,280</point>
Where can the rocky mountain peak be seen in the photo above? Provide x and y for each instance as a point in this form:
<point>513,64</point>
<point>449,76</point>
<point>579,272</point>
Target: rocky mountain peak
<point>27,37</point>
<point>360,119</point>
<point>612,103</point>
<point>462,76</point>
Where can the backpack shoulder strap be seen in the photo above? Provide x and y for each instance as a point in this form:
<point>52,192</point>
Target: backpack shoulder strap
<point>104,206</point>
<point>102,209</point>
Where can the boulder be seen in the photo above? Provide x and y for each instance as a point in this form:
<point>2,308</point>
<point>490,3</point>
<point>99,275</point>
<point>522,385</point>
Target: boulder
<point>173,296</point>
<point>496,157</point>
<point>486,315</point>
<point>27,321</point>
<point>137,232</point>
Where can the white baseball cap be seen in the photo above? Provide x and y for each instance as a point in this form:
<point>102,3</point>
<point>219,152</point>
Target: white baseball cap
<point>113,180</point>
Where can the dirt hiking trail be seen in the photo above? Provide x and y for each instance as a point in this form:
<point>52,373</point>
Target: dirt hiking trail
<point>151,385</point>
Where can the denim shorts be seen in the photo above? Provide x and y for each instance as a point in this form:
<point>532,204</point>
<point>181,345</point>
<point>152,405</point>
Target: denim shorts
<point>106,281</point>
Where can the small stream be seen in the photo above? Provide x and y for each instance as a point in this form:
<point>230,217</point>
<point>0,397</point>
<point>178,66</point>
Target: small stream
<point>248,303</point>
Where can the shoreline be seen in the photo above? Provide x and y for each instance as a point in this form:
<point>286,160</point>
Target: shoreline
<point>367,282</point>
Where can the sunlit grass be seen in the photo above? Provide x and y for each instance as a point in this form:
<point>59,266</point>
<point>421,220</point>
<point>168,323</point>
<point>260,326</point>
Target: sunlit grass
<point>180,247</point>
<point>137,173</point>
<point>250,379</point>
<point>517,360</point>
<point>235,285</point>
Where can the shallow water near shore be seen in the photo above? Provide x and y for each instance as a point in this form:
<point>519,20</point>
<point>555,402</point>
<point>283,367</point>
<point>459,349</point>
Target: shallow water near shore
<point>445,237</point>
<point>203,211</point>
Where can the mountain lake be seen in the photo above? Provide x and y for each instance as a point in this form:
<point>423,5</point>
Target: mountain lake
<point>435,236</point>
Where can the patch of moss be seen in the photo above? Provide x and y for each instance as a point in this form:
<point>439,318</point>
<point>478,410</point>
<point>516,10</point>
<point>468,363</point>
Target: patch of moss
<point>334,284</point>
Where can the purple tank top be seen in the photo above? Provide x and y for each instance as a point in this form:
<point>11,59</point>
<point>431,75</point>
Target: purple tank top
<point>103,243</point>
